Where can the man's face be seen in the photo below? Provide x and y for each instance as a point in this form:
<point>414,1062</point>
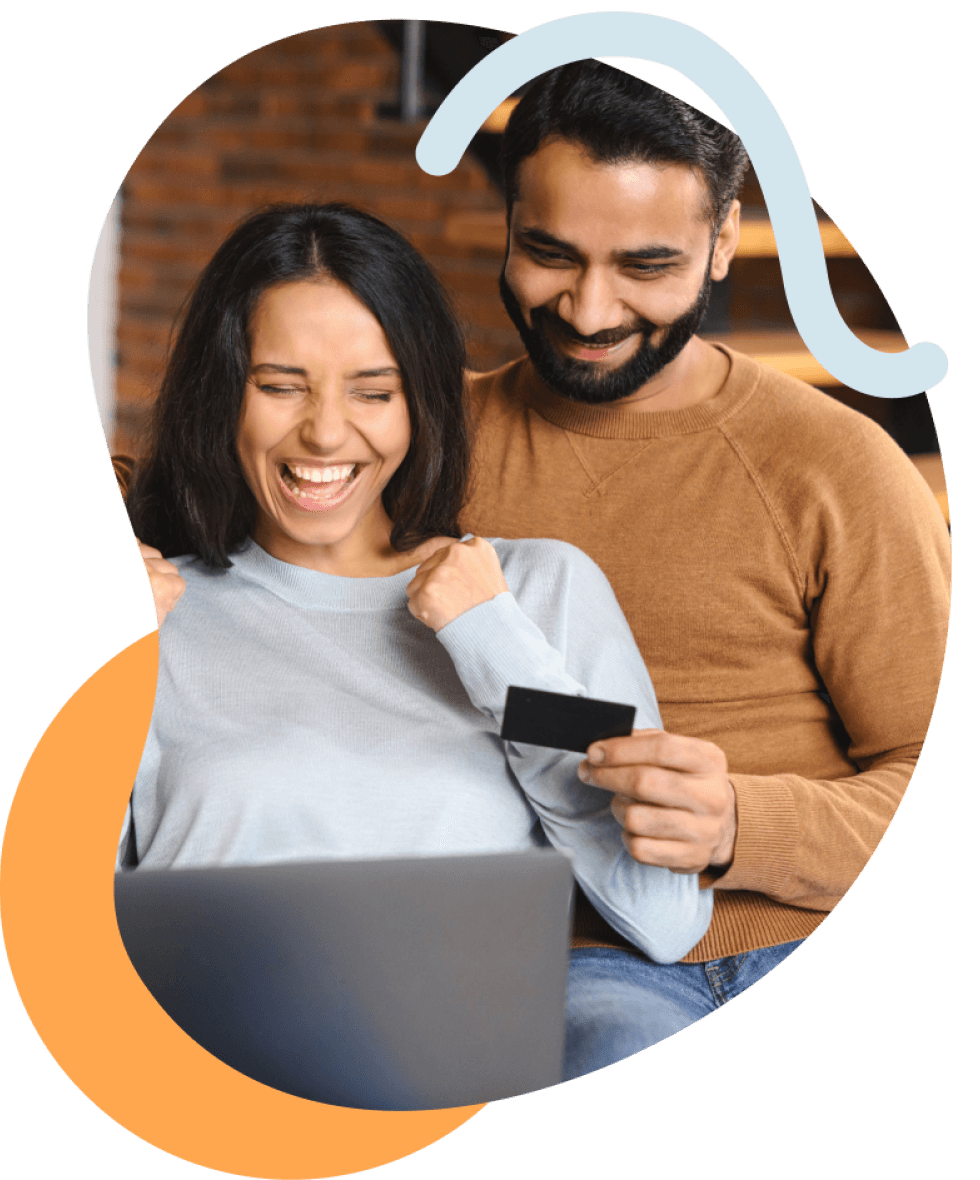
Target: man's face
<point>608,270</point>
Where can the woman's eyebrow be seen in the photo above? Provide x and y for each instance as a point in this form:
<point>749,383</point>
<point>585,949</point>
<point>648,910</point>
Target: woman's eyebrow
<point>295,371</point>
<point>291,369</point>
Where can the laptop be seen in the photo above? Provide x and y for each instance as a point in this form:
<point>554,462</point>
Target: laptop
<point>404,984</point>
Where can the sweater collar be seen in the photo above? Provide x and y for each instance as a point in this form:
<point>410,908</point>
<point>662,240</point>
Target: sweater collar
<point>618,422</point>
<point>311,588</point>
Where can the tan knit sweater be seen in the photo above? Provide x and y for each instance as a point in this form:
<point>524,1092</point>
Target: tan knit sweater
<point>785,571</point>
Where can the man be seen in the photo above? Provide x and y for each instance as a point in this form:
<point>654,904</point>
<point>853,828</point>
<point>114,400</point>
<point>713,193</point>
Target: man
<point>782,565</point>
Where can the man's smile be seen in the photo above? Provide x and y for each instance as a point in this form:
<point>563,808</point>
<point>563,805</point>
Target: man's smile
<point>595,352</point>
<point>612,344</point>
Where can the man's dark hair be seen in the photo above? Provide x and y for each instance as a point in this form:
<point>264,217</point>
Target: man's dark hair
<point>617,118</point>
<point>189,494</point>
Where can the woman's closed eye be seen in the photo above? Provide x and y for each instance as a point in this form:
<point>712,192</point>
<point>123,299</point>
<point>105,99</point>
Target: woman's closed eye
<point>373,395</point>
<point>281,390</point>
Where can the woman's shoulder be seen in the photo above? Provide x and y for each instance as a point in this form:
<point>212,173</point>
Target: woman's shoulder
<point>192,566</point>
<point>205,581</point>
<point>546,560</point>
<point>558,586</point>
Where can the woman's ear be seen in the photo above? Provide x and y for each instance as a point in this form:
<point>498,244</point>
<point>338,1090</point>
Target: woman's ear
<point>726,243</point>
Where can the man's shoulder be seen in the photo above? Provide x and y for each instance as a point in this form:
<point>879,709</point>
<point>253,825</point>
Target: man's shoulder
<point>789,419</point>
<point>499,388</point>
<point>800,443</point>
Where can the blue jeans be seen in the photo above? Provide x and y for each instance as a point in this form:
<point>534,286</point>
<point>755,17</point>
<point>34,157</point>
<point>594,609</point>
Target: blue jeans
<point>617,1003</point>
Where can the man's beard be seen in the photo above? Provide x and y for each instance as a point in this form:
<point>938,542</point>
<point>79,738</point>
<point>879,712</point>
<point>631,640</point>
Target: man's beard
<point>588,381</point>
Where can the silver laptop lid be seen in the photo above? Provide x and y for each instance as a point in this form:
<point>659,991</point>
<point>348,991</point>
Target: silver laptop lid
<point>409,984</point>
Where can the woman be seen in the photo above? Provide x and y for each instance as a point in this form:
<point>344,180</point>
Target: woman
<point>333,679</point>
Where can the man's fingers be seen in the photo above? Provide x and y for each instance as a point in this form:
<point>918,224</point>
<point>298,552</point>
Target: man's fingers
<point>655,747</point>
<point>666,826</point>
<point>676,855</point>
<point>660,823</point>
<point>647,784</point>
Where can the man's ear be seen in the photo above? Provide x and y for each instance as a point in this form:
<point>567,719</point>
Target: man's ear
<point>726,243</point>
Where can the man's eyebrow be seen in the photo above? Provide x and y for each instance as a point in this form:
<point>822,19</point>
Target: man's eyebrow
<point>649,254</point>
<point>640,254</point>
<point>542,238</point>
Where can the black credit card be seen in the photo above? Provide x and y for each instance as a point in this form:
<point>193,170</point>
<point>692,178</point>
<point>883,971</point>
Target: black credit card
<point>565,722</point>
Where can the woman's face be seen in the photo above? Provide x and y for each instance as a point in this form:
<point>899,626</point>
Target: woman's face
<point>324,426</point>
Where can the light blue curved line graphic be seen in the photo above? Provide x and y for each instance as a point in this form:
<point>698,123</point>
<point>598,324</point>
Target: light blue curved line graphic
<point>631,34</point>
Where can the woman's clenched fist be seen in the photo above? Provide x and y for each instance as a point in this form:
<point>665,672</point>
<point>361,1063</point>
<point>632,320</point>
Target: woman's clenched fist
<point>453,579</point>
<point>165,580</point>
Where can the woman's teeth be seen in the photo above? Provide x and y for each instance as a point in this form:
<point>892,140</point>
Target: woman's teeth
<point>321,474</point>
<point>317,483</point>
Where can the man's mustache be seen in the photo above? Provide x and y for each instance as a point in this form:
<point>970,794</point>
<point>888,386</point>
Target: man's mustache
<point>543,317</point>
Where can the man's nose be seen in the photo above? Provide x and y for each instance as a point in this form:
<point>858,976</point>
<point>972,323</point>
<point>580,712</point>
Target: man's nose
<point>324,427</point>
<point>590,304</point>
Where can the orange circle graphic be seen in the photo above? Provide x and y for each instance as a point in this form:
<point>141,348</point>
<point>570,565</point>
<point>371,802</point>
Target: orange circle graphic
<point>88,1004</point>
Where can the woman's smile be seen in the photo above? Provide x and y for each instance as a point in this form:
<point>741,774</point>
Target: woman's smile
<point>318,489</point>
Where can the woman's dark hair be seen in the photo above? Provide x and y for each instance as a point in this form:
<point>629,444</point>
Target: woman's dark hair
<point>189,494</point>
<point>616,117</point>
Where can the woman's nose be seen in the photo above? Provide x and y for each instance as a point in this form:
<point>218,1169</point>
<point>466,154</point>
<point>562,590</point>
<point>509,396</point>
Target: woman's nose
<point>590,304</point>
<point>324,427</point>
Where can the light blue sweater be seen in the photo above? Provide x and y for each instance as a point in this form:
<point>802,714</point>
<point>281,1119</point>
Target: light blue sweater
<point>303,716</point>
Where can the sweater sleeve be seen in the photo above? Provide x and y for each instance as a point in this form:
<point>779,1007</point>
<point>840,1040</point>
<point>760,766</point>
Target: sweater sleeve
<point>588,650</point>
<point>877,571</point>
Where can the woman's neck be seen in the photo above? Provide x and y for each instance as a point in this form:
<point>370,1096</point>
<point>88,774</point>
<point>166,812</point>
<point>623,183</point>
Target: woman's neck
<point>366,554</point>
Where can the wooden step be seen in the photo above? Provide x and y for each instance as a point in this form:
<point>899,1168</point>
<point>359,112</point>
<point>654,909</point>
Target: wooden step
<point>756,240</point>
<point>784,350</point>
<point>487,230</point>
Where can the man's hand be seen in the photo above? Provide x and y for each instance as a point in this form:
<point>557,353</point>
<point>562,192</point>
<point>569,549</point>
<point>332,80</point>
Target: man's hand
<point>671,795</point>
<point>165,580</point>
<point>456,577</point>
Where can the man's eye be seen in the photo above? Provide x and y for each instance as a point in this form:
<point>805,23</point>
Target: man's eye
<point>647,269</point>
<point>545,255</point>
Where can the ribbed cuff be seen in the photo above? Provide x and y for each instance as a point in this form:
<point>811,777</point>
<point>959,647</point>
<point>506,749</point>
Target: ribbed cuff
<point>767,837</point>
<point>747,922</point>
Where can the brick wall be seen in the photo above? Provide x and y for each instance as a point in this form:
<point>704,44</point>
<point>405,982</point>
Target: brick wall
<point>294,121</point>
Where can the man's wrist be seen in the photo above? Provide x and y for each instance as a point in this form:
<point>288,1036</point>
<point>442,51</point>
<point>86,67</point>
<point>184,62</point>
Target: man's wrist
<point>724,853</point>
